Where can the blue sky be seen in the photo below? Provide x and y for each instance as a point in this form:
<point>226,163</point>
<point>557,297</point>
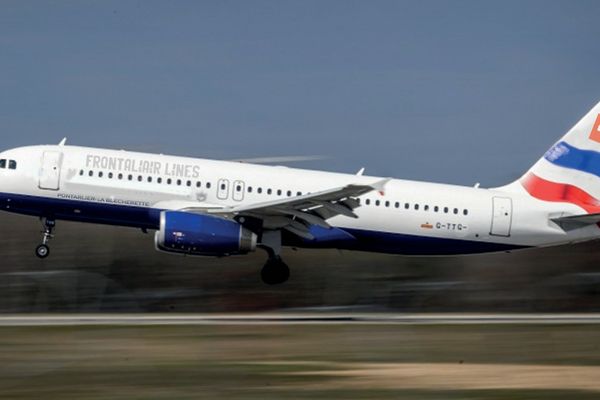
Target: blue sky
<point>447,91</point>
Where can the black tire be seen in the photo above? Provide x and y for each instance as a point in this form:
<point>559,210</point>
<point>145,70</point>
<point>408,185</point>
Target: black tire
<point>42,251</point>
<point>275,272</point>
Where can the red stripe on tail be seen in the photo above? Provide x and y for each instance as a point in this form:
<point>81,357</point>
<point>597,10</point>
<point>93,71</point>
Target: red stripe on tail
<point>560,192</point>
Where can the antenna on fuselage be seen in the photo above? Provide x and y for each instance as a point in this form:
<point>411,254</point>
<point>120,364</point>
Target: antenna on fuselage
<point>62,142</point>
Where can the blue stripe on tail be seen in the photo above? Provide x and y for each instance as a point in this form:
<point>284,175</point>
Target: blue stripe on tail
<point>565,155</point>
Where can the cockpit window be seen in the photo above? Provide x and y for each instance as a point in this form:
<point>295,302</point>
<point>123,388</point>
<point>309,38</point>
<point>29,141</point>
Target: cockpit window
<point>12,164</point>
<point>2,163</point>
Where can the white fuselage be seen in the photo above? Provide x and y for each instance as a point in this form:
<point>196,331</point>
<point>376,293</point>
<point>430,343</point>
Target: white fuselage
<point>130,189</point>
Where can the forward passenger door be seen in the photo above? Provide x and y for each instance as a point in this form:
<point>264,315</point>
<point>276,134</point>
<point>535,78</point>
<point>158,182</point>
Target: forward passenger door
<point>49,178</point>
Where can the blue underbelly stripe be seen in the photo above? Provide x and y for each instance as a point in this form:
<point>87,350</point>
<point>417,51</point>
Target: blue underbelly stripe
<point>406,244</point>
<point>567,156</point>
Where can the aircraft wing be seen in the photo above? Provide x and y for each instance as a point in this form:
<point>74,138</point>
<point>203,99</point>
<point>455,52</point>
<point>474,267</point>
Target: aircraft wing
<point>297,214</point>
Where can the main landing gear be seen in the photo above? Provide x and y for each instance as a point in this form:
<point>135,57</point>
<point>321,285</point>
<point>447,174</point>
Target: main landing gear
<point>275,271</point>
<point>43,251</point>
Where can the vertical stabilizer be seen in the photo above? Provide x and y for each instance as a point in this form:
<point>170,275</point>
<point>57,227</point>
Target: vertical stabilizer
<point>570,171</point>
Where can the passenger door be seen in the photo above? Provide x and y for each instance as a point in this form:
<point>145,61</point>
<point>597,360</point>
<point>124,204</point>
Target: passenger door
<point>501,216</point>
<point>49,178</point>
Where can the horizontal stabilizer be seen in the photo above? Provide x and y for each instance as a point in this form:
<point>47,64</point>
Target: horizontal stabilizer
<point>577,221</point>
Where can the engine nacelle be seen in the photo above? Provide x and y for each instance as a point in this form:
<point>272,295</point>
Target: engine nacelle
<point>202,235</point>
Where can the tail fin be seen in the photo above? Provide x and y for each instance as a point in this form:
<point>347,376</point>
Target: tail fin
<point>570,171</point>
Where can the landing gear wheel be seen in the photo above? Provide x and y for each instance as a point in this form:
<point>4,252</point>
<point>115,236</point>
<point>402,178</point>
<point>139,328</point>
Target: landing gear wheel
<point>42,251</point>
<point>275,272</point>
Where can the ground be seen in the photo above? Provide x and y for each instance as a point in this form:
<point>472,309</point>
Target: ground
<point>301,361</point>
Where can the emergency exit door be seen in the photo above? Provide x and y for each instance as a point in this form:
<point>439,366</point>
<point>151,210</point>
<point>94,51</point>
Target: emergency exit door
<point>223,189</point>
<point>50,170</point>
<point>501,216</point>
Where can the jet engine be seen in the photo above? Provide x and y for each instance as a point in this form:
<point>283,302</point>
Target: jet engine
<point>202,235</point>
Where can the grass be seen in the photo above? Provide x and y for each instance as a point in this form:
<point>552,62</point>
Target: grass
<point>274,362</point>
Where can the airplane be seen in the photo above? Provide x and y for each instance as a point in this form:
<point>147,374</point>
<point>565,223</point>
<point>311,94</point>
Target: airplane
<point>200,207</point>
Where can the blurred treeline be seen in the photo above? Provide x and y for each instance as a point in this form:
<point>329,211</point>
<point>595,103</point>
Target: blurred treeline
<point>96,268</point>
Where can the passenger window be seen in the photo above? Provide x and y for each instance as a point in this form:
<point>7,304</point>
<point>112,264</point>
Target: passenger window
<point>289,193</point>
<point>2,163</point>
<point>426,208</point>
<point>298,193</point>
<point>80,171</point>
<point>178,182</point>
<point>110,175</point>
<point>120,176</point>
<point>91,173</point>
<point>456,211</point>
<point>249,189</point>
<point>259,190</point>
<point>238,188</point>
<point>130,177</point>
<point>100,174</point>
<point>397,205</point>
<point>223,187</point>
<point>465,212</point>
<point>198,184</point>
<point>169,181</point>
<point>387,203</point>
<point>278,192</point>
<point>436,209</point>
<point>188,183</point>
<point>208,185</point>
<point>446,210</point>
<point>12,164</point>
<point>159,180</point>
<point>368,201</point>
<point>139,178</point>
<point>149,179</point>
<point>269,191</point>
<point>377,202</point>
<point>416,206</point>
<point>406,206</point>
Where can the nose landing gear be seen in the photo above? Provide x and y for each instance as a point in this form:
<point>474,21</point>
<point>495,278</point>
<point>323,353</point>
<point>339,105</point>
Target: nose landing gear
<point>43,251</point>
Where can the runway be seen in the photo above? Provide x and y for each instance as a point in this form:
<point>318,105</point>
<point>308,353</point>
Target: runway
<point>295,319</point>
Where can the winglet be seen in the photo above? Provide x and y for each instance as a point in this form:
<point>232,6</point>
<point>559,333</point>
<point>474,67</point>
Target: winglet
<point>62,142</point>
<point>380,185</point>
<point>360,171</point>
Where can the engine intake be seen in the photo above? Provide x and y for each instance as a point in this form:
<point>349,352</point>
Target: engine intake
<point>202,235</point>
